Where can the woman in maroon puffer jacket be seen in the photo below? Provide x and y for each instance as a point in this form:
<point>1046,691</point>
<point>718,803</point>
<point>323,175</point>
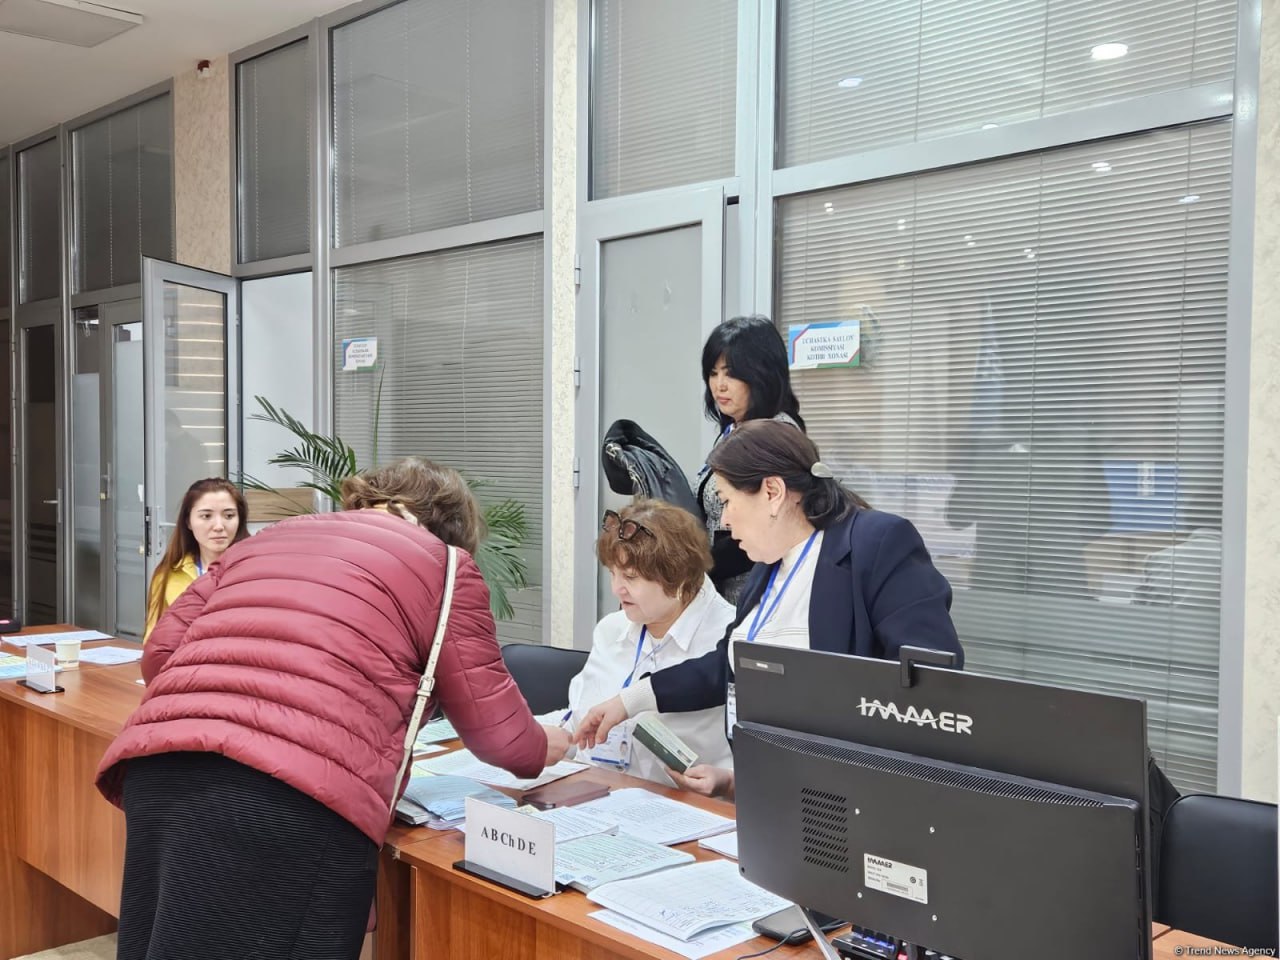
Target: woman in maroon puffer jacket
<point>257,774</point>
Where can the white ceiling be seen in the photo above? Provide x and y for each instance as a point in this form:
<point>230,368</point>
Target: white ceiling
<point>44,83</point>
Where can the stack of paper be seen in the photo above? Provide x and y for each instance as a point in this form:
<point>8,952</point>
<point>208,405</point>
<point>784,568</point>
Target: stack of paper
<point>463,763</point>
<point>590,862</point>
<point>726,844</point>
<point>440,801</point>
<point>45,639</point>
<point>109,656</point>
<point>686,901</point>
<point>649,816</point>
<point>437,731</point>
<point>713,941</point>
<point>15,668</point>
<point>573,824</point>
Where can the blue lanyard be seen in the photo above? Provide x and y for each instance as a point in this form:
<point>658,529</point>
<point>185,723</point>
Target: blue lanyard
<point>639,646</point>
<point>763,615</point>
<point>199,568</point>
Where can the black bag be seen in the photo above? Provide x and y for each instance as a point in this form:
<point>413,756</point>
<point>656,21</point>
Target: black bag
<point>637,465</point>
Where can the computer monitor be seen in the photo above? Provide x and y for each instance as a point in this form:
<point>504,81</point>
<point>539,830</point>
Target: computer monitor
<point>981,818</point>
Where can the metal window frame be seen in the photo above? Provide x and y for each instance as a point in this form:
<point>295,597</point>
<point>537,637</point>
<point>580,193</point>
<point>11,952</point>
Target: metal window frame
<point>1237,100</point>
<point>8,345</point>
<point>273,266</point>
<point>327,256</point>
<point>73,127</point>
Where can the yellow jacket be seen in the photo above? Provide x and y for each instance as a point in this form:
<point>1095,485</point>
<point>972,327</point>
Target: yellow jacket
<point>181,576</point>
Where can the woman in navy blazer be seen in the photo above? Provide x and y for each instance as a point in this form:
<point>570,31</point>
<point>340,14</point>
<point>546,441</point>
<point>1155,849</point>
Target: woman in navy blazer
<point>874,588</point>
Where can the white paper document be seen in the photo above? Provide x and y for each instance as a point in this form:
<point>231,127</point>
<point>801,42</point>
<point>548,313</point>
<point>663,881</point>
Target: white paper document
<point>463,763</point>
<point>713,941</point>
<point>44,639</point>
<point>649,816</point>
<point>726,844</point>
<point>685,901</point>
<point>437,731</point>
<point>572,824</point>
<point>590,862</point>
<point>110,656</point>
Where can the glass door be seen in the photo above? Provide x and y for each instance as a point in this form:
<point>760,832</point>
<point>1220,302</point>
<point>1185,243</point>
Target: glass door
<point>124,476</point>
<point>40,502</point>
<point>192,388</point>
<point>652,289</point>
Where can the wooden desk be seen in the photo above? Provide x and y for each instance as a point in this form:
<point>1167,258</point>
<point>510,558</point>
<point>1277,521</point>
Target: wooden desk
<point>62,851</point>
<point>441,913</point>
<point>61,844</point>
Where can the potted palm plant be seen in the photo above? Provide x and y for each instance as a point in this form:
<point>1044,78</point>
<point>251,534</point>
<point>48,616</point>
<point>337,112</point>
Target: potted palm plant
<point>328,460</point>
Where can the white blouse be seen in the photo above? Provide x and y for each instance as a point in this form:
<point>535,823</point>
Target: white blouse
<point>613,659</point>
<point>787,624</point>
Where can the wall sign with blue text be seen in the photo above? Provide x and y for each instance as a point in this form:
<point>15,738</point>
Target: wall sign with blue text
<point>359,353</point>
<point>818,346</point>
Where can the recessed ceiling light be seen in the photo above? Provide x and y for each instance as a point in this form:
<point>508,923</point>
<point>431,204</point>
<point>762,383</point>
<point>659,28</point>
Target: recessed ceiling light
<point>1109,51</point>
<point>850,82</point>
<point>1190,198</point>
<point>990,126</point>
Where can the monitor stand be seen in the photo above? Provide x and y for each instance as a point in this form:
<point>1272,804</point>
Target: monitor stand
<point>819,938</point>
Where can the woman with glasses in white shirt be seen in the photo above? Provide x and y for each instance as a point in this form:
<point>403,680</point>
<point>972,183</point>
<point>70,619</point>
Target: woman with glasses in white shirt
<point>657,557</point>
<point>830,574</point>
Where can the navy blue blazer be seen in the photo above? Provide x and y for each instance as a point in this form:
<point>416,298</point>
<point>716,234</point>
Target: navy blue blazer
<point>875,589</point>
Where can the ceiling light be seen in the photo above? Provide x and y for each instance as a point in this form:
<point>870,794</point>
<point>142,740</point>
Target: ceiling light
<point>990,126</point>
<point>1190,198</point>
<point>902,224</point>
<point>848,83</point>
<point>76,22</point>
<point>1109,51</point>
<point>1101,166</point>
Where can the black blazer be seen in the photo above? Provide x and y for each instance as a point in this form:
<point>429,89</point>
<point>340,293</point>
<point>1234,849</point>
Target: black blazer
<point>875,589</point>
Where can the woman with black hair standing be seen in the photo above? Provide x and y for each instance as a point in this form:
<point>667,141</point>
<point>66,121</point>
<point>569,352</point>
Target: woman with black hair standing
<point>747,377</point>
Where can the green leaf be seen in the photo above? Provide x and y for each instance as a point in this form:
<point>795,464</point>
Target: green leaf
<point>327,461</point>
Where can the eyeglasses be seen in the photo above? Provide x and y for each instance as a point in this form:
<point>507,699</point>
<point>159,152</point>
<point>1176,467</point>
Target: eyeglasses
<point>625,529</point>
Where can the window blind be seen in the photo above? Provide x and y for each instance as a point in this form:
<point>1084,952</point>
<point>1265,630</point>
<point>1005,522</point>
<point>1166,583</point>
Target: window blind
<point>663,94</point>
<point>5,249</point>
<point>274,129</point>
<point>39,212</point>
<point>460,367</point>
<point>438,116</point>
<point>123,194</point>
<point>871,73</point>
<point>1041,392</point>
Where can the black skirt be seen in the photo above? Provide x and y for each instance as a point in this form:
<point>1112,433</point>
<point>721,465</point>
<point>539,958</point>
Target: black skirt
<point>223,862</point>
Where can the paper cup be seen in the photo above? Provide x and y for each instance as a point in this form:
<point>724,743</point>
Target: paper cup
<point>68,654</point>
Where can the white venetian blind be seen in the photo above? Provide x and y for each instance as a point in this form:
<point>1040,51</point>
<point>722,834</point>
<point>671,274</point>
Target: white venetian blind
<point>460,357</point>
<point>274,129</point>
<point>123,194</point>
<point>438,116</point>
<point>1042,394</point>
<point>663,93</point>
<point>858,74</point>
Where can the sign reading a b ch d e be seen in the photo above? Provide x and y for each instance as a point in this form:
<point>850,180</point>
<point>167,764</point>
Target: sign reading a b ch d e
<point>513,845</point>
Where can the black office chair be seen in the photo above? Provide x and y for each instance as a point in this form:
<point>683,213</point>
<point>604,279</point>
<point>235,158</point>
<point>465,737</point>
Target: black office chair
<point>543,673</point>
<point>1218,874</point>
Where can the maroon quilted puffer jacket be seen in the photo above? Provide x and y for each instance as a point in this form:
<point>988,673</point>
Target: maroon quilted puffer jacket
<point>299,654</point>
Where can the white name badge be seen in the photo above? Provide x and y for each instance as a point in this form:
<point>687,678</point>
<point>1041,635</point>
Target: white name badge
<point>730,711</point>
<point>511,846</point>
<point>41,667</point>
<point>615,751</point>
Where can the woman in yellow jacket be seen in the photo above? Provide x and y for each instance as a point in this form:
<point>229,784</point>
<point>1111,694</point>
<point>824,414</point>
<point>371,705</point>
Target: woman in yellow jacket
<point>212,517</point>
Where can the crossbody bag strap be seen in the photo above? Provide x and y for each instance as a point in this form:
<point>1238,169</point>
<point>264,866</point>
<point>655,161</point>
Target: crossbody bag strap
<point>428,681</point>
